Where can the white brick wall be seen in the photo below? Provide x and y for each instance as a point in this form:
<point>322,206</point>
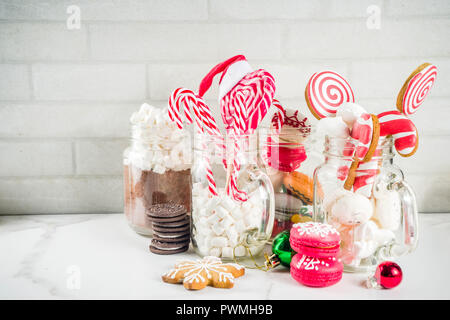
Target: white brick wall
<point>66,95</point>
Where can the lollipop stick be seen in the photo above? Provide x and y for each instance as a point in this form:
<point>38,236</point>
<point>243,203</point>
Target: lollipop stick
<point>348,184</point>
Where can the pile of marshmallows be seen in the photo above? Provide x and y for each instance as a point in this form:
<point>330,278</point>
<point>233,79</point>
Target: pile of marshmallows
<point>364,222</point>
<point>158,145</point>
<point>220,222</point>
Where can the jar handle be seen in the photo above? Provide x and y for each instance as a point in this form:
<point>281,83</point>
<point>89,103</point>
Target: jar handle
<point>260,236</point>
<point>410,224</point>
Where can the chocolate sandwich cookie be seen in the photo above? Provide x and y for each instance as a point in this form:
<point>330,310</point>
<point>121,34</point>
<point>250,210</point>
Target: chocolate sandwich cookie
<point>179,238</point>
<point>163,229</point>
<point>159,247</point>
<point>166,212</point>
<point>176,224</point>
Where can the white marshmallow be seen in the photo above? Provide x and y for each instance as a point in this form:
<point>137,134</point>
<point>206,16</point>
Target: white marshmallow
<point>236,213</point>
<point>232,235</point>
<point>364,249</point>
<point>333,127</point>
<point>349,112</point>
<point>221,212</point>
<point>226,222</point>
<point>153,130</point>
<point>228,203</point>
<point>227,252</point>
<point>388,209</point>
<point>218,229</point>
<point>219,242</point>
<point>240,226</point>
<point>352,209</point>
<point>239,251</point>
<point>331,197</point>
<point>215,252</point>
<point>213,219</point>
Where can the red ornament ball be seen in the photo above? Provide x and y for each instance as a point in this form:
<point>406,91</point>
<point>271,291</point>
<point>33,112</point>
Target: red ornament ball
<point>388,274</point>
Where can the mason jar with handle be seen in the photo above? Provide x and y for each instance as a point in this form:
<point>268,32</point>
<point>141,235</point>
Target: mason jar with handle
<point>222,225</point>
<point>377,218</point>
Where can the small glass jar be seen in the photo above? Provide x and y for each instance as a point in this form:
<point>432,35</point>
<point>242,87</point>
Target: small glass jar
<point>156,170</point>
<point>288,161</point>
<point>222,226</point>
<point>377,219</point>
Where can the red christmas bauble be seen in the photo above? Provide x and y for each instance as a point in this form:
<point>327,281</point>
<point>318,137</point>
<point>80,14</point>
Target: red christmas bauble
<point>388,274</point>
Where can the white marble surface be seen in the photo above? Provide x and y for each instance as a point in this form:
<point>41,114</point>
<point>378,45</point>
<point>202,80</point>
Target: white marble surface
<point>100,257</point>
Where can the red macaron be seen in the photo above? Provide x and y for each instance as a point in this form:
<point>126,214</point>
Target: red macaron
<point>314,239</point>
<point>316,272</point>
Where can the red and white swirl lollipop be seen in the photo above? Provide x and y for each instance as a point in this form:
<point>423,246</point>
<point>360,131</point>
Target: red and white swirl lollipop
<point>416,88</point>
<point>404,132</point>
<point>325,92</point>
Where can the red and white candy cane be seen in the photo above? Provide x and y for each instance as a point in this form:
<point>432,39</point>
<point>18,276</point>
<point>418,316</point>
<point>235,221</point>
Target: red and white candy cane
<point>243,109</point>
<point>187,99</point>
<point>245,97</point>
<point>402,129</point>
<point>416,89</point>
<point>325,92</point>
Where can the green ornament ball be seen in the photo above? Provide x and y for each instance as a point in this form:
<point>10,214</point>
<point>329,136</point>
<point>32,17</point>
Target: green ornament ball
<point>282,248</point>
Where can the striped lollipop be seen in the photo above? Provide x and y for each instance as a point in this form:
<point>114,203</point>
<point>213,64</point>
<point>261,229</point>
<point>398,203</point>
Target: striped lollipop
<point>325,92</point>
<point>416,88</point>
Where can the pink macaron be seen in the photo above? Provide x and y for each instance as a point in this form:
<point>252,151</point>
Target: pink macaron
<point>314,239</point>
<point>315,272</point>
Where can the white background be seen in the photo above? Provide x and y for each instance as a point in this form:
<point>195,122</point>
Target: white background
<point>66,95</point>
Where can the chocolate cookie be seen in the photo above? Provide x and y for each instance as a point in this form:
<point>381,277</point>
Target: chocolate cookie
<point>180,238</point>
<point>182,229</point>
<point>166,212</point>
<point>159,247</point>
<point>176,224</point>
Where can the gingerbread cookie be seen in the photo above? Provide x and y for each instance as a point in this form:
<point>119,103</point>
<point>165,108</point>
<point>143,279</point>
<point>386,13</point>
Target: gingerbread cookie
<point>416,88</point>
<point>325,92</point>
<point>209,271</point>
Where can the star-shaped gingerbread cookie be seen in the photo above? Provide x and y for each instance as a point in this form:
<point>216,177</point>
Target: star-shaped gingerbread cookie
<point>198,274</point>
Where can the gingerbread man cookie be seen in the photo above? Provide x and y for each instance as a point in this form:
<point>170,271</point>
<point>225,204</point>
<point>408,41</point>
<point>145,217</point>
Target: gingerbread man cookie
<point>209,271</point>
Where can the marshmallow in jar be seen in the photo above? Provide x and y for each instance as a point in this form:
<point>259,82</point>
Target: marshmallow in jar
<point>221,225</point>
<point>156,165</point>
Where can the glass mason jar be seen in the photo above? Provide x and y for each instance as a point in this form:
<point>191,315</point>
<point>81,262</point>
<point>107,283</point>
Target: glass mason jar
<point>156,170</point>
<point>378,218</point>
<point>222,226</point>
<point>288,161</point>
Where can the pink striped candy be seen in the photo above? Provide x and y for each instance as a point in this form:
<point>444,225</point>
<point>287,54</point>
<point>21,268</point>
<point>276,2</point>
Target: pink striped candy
<point>362,131</point>
<point>395,124</point>
<point>417,89</point>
